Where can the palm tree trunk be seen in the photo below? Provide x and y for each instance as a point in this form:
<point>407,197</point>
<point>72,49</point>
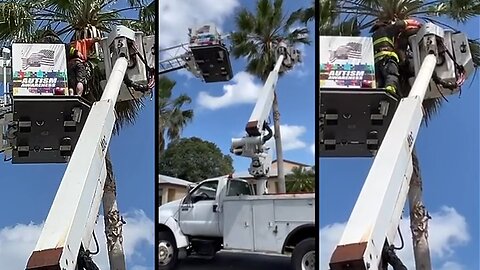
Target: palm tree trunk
<point>113,221</point>
<point>418,219</point>
<point>278,146</point>
<point>161,141</point>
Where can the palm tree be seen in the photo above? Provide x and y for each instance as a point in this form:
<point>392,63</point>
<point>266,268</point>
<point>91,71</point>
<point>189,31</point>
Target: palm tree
<point>360,15</point>
<point>301,180</point>
<point>172,117</point>
<point>305,15</point>
<point>146,17</point>
<point>30,20</point>
<point>256,38</point>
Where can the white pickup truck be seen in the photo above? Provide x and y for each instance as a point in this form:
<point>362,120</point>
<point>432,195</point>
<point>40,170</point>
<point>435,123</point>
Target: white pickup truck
<point>223,213</point>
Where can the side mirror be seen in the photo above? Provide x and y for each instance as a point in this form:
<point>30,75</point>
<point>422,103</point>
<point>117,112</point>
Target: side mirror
<point>188,196</point>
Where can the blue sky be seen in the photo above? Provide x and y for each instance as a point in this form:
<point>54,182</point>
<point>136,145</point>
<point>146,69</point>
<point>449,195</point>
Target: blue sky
<point>448,150</point>
<point>222,109</point>
<point>28,191</point>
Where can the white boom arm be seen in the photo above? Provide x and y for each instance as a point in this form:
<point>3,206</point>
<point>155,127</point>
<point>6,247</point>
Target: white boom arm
<point>377,212</point>
<point>74,211</point>
<point>263,107</point>
<point>258,131</point>
<point>253,144</point>
<point>376,215</point>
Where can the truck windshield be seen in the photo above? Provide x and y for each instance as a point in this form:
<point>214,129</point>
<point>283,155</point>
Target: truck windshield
<point>238,188</point>
<point>206,190</point>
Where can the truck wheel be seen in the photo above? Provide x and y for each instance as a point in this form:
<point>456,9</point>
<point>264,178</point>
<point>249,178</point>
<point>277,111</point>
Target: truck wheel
<point>303,257</point>
<point>167,251</point>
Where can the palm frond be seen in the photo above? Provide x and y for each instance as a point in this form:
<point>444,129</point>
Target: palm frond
<point>127,112</point>
<point>257,35</point>
<point>475,51</point>
<point>432,107</point>
<point>172,116</point>
<point>458,10</point>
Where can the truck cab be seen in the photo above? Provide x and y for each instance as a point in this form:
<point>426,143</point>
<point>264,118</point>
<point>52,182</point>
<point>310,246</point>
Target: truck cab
<point>198,212</point>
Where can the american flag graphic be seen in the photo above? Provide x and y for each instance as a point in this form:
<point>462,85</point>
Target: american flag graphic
<point>353,50</point>
<point>43,57</point>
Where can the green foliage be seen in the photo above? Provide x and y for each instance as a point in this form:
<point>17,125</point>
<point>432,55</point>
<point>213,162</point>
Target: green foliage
<point>304,15</point>
<point>172,118</point>
<point>300,180</point>
<point>20,19</point>
<point>146,17</point>
<point>258,34</point>
<point>194,159</point>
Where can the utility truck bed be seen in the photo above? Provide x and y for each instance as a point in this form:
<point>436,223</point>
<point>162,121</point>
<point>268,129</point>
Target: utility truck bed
<point>262,223</point>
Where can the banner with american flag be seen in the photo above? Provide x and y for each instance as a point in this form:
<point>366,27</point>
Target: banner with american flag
<point>39,69</point>
<point>346,62</point>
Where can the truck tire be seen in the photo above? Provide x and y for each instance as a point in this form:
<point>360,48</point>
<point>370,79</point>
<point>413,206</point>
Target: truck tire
<point>167,251</point>
<point>303,257</point>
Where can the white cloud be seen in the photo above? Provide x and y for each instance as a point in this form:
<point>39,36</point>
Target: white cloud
<point>138,231</point>
<point>186,73</point>
<point>452,266</point>
<point>291,137</point>
<point>447,230</point>
<point>17,242</point>
<point>300,72</point>
<point>178,16</point>
<point>242,90</point>
<point>312,148</point>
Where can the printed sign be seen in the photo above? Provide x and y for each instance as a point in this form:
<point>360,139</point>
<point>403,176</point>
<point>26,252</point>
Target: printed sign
<point>347,62</point>
<point>39,69</point>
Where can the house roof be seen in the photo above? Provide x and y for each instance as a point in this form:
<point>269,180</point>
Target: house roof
<point>293,162</point>
<point>164,179</point>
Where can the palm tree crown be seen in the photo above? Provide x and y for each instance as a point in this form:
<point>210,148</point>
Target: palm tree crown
<point>258,35</point>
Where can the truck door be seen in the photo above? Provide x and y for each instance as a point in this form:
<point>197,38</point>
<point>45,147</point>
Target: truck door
<point>198,215</point>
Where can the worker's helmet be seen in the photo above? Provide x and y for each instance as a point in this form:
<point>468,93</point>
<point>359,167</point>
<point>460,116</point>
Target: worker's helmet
<point>49,36</point>
<point>378,24</point>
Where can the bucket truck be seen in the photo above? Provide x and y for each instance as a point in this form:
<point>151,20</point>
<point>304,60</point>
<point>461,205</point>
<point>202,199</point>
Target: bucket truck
<point>377,125</point>
<point>226,213</point>
<point>57,128</point>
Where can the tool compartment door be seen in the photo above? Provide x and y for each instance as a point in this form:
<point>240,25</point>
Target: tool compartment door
<point>265,227</point>
<point>238,224</point>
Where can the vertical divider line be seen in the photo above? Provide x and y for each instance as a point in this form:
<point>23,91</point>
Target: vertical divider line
<point>317,134</point>
<point>156,127</point>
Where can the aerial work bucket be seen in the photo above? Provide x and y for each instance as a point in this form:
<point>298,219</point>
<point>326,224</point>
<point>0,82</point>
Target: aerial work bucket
<point>210,54</point>
<point>354,113</point>
<point>47,120</point>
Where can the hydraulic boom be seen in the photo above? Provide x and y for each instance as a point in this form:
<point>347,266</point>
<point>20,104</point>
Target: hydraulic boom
<point>368,237</point>
<point>65,239</point>
<point>258,132</point>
